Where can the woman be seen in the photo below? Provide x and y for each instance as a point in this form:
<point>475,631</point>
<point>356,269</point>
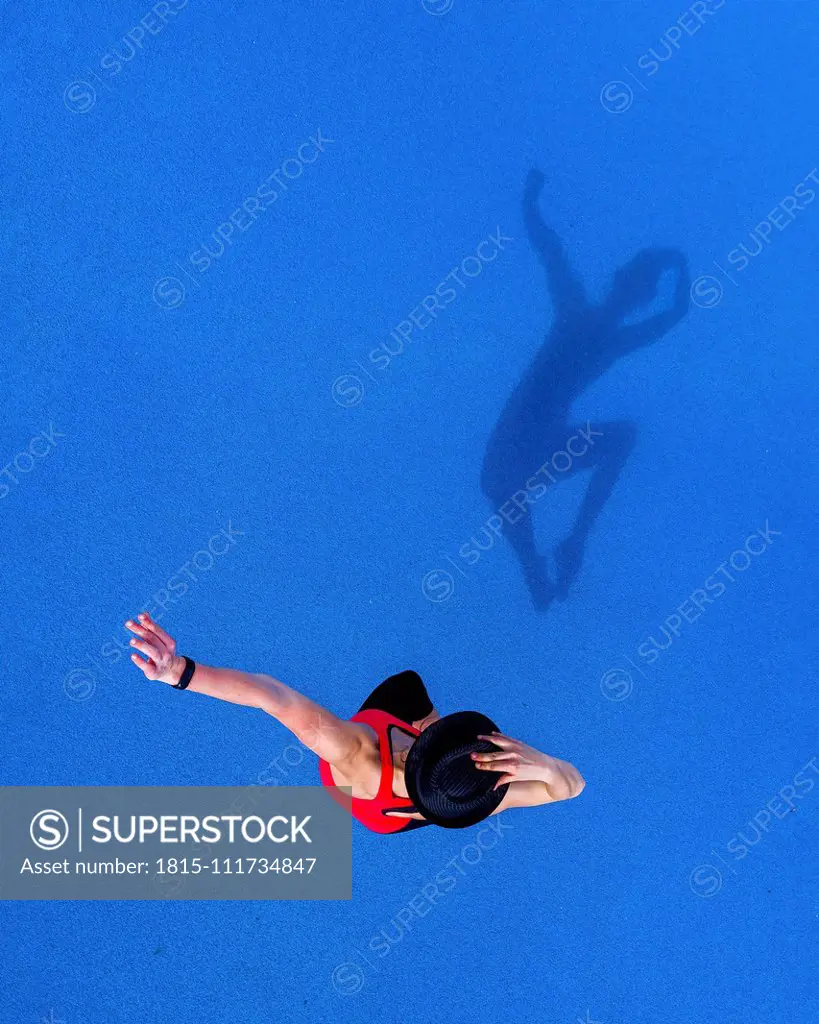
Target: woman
<point>405,765</point>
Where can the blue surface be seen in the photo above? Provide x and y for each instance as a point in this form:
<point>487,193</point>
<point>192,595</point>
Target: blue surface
<point>178,421</point>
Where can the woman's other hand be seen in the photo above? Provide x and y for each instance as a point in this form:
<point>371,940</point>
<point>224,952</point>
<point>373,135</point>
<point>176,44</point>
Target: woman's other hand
<point>160,660</point>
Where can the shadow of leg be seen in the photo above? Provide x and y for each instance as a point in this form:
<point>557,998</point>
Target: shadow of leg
<point>607,458</point>
<point>533,565</point>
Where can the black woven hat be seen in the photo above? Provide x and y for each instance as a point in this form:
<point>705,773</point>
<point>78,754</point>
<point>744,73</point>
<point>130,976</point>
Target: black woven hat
<point>442,780</point>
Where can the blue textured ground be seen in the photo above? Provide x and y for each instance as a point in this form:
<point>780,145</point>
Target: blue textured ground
<point>172,423</point>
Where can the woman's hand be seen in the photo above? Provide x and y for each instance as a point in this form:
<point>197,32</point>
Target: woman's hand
<point>518,761</point>
<point>522,763</point>
<point>161,661</point>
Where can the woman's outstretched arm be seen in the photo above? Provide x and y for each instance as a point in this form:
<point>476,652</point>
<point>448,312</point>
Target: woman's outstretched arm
<point>330,737</point>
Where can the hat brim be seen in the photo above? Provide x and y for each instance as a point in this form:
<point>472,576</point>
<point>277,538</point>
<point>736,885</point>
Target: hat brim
<point>442,780</point>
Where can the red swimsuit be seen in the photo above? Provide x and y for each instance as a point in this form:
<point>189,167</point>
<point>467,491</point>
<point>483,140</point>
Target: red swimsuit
<point>372,813</point>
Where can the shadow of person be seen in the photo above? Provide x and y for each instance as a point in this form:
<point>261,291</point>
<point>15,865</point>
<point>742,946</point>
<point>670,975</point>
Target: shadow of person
<point>534,443</point>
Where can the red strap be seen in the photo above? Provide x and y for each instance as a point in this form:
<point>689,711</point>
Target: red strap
<point>371,812</point>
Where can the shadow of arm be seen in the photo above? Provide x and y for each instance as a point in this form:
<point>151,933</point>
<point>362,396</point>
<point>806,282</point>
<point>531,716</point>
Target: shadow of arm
<point>636,336</point>
<point>564,287</point>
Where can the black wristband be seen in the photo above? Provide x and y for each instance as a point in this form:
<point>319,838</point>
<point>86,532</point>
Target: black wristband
<point>187,675</point>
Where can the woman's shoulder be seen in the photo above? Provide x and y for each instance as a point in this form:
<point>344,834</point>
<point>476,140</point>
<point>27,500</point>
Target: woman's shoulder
<point>362,769</point>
